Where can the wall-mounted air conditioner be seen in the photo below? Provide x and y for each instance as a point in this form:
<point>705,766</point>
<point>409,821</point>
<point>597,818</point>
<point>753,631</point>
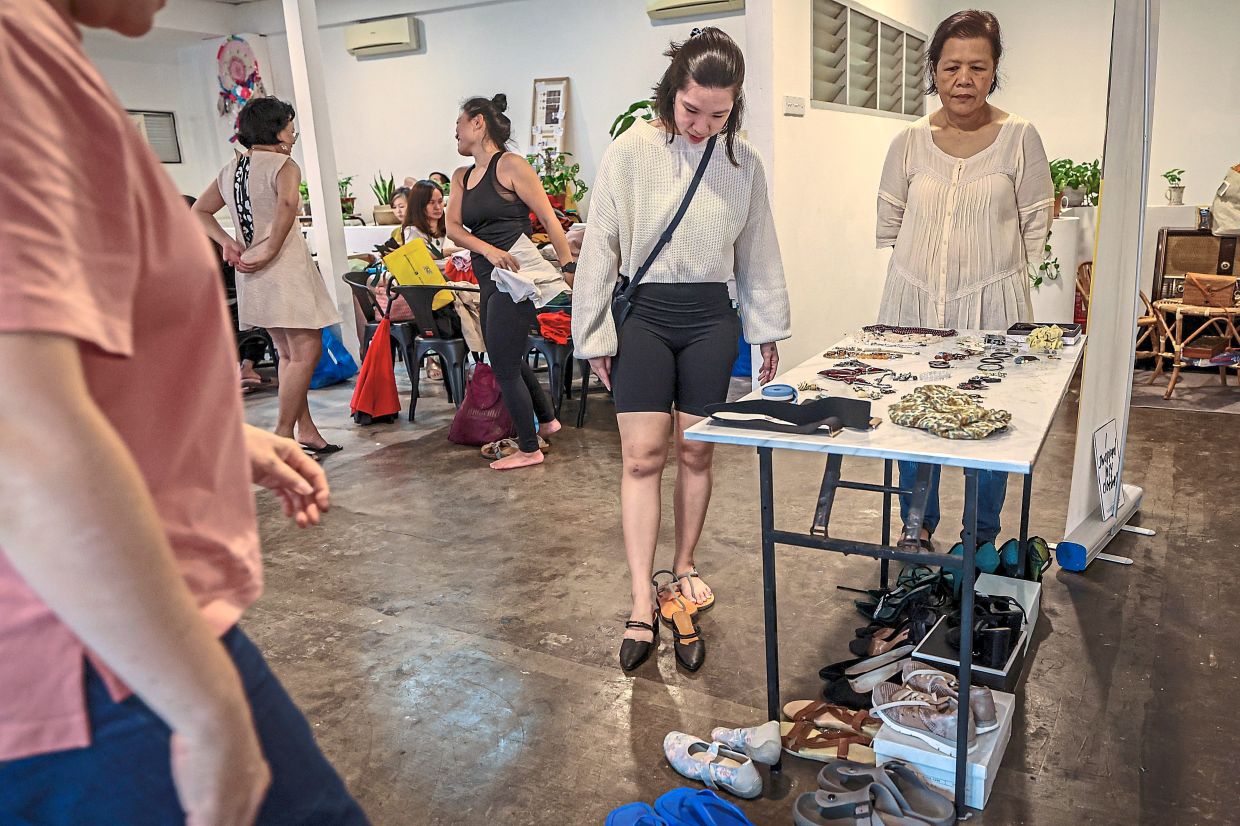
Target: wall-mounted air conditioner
<point>387,35</point>
<point>668,9</point>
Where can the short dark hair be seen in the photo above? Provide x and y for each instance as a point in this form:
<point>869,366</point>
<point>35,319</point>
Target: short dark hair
<point>415,210</point>
<point>964,24</point>
<point>499,128</point>
<point>261,120</point>
<point>709,58</point>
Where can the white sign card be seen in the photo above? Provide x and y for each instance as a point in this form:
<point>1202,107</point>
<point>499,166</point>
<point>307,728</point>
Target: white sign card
<point>1106,463</point>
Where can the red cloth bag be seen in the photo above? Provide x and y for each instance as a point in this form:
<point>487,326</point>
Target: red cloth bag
<point>375,398</point>
<point>482,417</point>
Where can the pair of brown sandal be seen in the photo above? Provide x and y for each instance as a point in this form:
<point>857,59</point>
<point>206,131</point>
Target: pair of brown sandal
<point>824,731</point>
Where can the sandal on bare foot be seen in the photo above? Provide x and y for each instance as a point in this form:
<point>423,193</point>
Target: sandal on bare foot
<point>670,600</point>
<point>504,448</point>
<point>685,583</point>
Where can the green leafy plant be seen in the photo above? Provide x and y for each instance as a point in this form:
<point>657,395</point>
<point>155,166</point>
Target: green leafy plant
<point>643,109</point>
<point>346,186</point>
<point>1049,268</point>
<point>383,188</point>
<point>1173,176</point>
<point>1060,169</point>
<point>1086,177</point>
<point>557,172</point>
<point>304,189</point>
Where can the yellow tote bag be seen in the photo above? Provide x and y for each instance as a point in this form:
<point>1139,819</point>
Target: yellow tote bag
<point>413,264</point>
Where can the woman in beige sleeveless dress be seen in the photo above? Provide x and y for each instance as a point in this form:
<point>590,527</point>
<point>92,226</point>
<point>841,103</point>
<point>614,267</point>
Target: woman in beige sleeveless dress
<point>278,286</point>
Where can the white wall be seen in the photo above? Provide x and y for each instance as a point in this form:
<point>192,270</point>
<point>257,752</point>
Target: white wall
<point>396,114</point>
<point>156,85</point>
<point>1060,83</point>
<point>824,170</point>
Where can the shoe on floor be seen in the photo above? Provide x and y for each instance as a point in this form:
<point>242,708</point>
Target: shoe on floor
<point>803,740</point>
<point>910,792</point>
<point>686,807</point>
<point>827,716</point>
<point>634,814</point>
<point>907,712</point>
<point>759,742</point>
<point>712,764</point>
<point>931,681</point>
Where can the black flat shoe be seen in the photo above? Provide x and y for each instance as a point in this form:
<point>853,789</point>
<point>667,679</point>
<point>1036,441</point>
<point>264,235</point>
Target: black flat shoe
<point>635,652</point>
<point>687,642</point>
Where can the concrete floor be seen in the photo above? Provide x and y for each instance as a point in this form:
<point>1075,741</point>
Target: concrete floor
<point>451,632</point>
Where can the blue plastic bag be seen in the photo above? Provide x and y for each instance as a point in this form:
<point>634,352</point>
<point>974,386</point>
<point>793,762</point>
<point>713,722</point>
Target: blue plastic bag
<point>335,365</point>
<point>743,366</point>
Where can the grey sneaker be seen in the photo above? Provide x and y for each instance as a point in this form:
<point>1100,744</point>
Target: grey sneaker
<point>761,743</point>
<point>910,712</point>
<point>931,681</point>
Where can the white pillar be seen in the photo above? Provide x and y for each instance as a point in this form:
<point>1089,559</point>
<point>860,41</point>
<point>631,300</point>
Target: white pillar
<point>1106,384</point>
<point>319,155</point>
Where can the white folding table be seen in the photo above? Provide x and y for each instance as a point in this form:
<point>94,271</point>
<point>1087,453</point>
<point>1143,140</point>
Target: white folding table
<point>1031,392</point>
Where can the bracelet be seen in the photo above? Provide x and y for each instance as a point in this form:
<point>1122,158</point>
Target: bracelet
<point>939,364</point>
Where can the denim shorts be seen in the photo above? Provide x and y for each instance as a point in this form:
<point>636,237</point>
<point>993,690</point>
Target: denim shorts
<point>124,776</point>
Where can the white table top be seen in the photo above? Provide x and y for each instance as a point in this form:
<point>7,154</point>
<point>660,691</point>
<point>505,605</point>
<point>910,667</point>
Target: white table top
<point>1031,392</point>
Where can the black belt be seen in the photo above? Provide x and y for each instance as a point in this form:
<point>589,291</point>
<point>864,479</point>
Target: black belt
<point>809,418</point>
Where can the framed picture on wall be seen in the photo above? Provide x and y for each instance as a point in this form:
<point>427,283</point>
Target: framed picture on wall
<point>550,114</point>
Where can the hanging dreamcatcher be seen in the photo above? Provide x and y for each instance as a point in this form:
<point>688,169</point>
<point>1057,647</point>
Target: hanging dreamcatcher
<point>238,78</point>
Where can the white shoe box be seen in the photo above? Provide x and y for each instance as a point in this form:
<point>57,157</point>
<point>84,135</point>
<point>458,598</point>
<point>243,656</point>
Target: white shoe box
<point>1028,594</point>
<point>939,769</point>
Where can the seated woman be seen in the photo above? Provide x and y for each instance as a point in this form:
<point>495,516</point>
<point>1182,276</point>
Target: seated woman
<point>424,218</point>
<point>398,202</point>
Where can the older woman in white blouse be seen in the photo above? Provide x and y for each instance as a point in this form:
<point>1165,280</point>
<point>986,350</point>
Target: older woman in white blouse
<point>965,200</point>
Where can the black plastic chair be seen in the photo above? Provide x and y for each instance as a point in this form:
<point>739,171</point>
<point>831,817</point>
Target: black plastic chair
<point>451,351</point>
<point>403,332</point>
<point>559,357</point>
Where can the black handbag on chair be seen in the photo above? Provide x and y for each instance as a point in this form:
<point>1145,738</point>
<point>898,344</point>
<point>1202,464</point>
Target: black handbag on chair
<point>622,297</point>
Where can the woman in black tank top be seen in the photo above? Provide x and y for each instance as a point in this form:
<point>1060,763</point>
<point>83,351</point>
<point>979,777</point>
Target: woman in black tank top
<point>488,213</point>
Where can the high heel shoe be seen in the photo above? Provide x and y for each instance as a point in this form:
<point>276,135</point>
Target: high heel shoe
<point>635,652</point>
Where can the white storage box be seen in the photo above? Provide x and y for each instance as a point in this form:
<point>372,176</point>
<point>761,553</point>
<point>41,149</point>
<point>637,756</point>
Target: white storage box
<point>939,769</point>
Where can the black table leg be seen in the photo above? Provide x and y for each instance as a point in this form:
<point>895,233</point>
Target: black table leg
<point>883,572</point>
<point>1025,499</point>
<point>969,540</point>
<point>766,492</point>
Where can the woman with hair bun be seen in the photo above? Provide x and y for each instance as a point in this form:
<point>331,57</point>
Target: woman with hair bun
<point>494,198</point>
<point>672,356</point>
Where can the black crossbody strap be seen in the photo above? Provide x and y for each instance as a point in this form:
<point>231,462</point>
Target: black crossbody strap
<point>680,213</point>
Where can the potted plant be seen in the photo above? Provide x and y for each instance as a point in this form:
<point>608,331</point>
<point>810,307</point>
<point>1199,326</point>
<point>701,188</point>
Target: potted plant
<point>384,188</point>
<point>558,174</point>
<point>1059,179</point>
<point>346,195</point>
<point>1175,187</point>
<point>643,109</point>
<point>304,189</point>
<point>1081,182</point>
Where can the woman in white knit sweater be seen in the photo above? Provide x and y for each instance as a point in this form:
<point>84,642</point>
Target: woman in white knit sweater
<point>676,348</point>
<point>965,200</point>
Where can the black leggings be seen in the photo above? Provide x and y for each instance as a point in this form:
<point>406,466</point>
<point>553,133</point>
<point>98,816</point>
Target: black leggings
<point>676,348</point>
<point>506,329</point>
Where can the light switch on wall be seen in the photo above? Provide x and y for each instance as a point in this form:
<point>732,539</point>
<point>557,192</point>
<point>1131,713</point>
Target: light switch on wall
<point>794,106</point>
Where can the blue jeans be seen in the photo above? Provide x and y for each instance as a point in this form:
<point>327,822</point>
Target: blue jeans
<point>124,776</point>
<point>991,491</point>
